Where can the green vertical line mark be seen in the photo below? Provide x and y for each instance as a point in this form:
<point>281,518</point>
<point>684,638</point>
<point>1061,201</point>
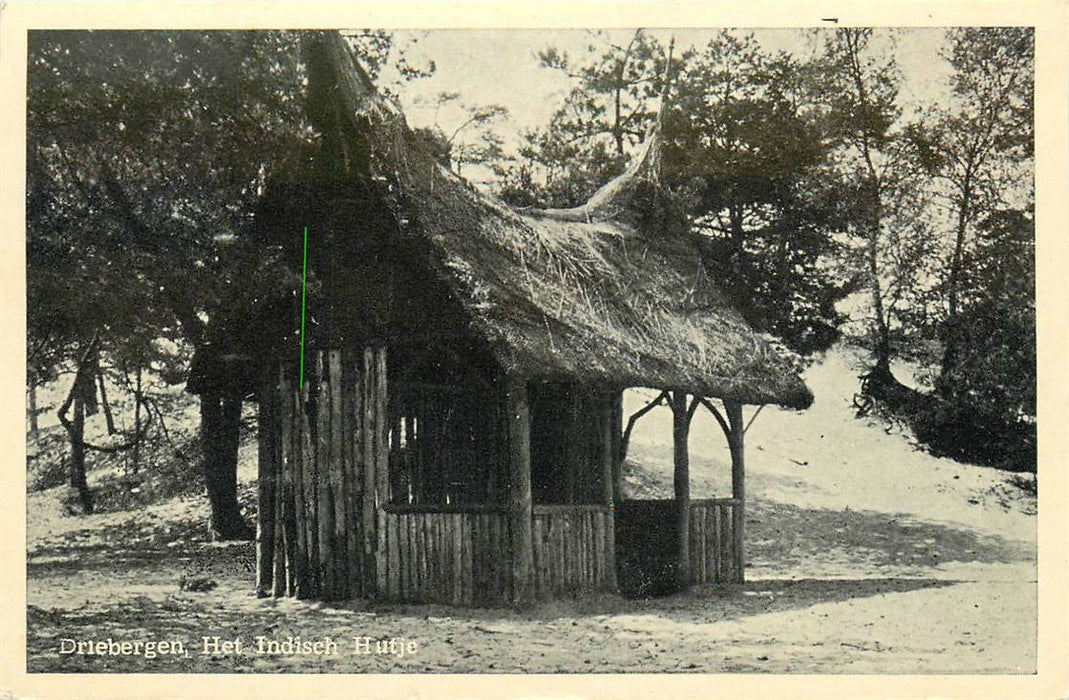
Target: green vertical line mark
<point>304,296</point>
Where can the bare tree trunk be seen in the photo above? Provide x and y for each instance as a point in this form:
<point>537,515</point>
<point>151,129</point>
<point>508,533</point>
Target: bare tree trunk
<point>681,481</point>
<point>135,458</point>
<point>76,433</point>
<point>80,390</point>
<point>882,352</point>
<point>109,419</point>
<point>220,432</point>
<point>77,437</point>
<point>618,117</point>
<point>35,431</point>
<point>951,335</point>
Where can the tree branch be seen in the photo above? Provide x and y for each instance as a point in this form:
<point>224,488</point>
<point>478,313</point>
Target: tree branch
<point>139,432</point>
<point>62,412</point>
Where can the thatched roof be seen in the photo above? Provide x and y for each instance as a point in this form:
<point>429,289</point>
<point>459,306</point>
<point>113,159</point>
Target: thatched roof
<point>613,292</point>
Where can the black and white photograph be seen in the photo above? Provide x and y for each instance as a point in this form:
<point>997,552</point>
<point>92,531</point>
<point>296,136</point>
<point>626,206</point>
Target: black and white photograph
<point>573,351</point>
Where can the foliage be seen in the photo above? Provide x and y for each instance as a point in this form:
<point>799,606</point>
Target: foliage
<point>745,152</point>
<point>472,142</point>
<point>987,406</point>
<point>147,153</point>
<point>978,149</point>
<point>858,103</point>
<point>130,217</point>
<point>605,114</point>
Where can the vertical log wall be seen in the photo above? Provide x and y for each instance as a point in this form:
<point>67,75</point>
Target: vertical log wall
<point>448,555</point>
<point>715,541</point>
<point>573,550</point>
<point>321,478</point>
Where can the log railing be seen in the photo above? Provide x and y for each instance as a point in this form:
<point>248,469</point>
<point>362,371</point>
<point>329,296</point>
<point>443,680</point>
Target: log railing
<point>446,555</point>
<point>574,549</point>
<point>646,541</point>
<point>460,554</point>
<point>715,548</point>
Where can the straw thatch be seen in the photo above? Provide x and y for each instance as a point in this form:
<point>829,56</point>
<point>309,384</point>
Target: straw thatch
<point>613,292</point>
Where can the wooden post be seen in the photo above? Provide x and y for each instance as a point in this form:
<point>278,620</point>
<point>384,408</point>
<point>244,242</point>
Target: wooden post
<point>617,427</point>
<point>574,462</point>
<point>609,445</point>
<point>519,433</point>
<point>288,513</point>
<point>298,464</point>
<point>337,476</point>
<point>352,448</point>
<point>265,476</point>
<point>324,502</point>
<point>368,506</point>
<point>286,409</point>
<point>381,450</point>
<point>304,453</point>
<point>681,481</point>
<point>738,483</point>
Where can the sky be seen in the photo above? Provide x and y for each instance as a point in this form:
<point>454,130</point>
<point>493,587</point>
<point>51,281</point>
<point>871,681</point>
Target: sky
<point>501,67</point>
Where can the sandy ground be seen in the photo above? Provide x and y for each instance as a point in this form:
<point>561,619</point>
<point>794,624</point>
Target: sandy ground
<point>865,556</point>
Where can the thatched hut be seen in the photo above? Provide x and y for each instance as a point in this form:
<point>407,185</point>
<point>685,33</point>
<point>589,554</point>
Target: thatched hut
<point>458,433</point>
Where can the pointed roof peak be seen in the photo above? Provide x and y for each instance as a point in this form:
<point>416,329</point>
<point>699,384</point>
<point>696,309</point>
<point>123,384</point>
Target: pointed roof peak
<point>647,162</point>
<point>616,195</point>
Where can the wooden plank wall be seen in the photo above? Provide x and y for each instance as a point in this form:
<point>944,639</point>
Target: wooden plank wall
<point>322,458</point>
<point>573,549</point>
<point>455,556</point>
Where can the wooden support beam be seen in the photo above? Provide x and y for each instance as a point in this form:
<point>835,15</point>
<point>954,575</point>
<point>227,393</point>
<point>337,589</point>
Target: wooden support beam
<point>305,450</point>
<point>337,475</point>
<point>681,416</point>
<point>368,507</point>
<point>610,432</point>
<point>278,576</point>
<point>519,433</point>
<point>324,501</point>
<point>300,463</point>
<point>266,469</point>
<point>375,361</point>
<point>738,482</point>
<point>617,446</point>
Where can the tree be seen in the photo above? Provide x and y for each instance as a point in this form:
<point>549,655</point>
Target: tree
<point>748,158</point>
<point>148,153</point>
<point>742,150</point>
<point>471,142</point>
<point>986,407</point>
<point>880,188</point>
<point>614,91</point>
<point>117,125</point>
<point>979,149</point>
